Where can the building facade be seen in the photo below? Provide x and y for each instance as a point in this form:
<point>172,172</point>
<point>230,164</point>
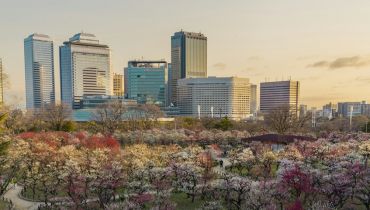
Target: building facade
<point>214,97</point>
<point>303,110</point>
<point>118,85</point>
<point>345,109</point>
<point>146,81</point>
<point>329,110</point>
<point>188,58</point>
<point>253,99</point>
<point>39,70</point>
<point>274,95</point>
<point>85,69</point>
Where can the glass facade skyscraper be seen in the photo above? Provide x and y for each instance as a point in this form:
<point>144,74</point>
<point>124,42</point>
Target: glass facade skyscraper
<point>188,58</point>
<point>85,69</point>
<point>39,69</point>
<point>145,81</point>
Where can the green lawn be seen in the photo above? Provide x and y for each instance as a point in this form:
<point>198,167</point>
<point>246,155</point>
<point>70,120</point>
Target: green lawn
<point>3,205</point>
<point>184,203</point>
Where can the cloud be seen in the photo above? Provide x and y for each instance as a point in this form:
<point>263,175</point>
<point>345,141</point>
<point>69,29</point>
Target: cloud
<point>319,64</point>
<point>365,80</point>
<point>219,66</point>
<point>254,58</point>
<point>343,62</point>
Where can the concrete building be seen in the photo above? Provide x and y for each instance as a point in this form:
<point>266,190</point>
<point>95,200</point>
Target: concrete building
<point>214,97</point>
<point>365,109</point>
<point>146,81</point>
<point>118,85</point>
<point>274,95</point>
<point>39,70</point>
<point>85,69</point>
<point>253,99</point>
<point>329,110</point>
<point>188,58</point>
<point>90,104</point>
<point>303,110</point>
<point>345,108</point>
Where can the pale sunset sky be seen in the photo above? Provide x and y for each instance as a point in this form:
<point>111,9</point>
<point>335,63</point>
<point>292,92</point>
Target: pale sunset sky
<point>325,44</point>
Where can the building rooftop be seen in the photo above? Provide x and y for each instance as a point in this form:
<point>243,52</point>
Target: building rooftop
<point>190,34</point>
<point>147,63</point>
<point>40,37</point>
<point>85,39</point>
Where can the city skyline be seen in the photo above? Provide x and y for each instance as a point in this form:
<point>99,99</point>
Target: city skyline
<point>264,41</point>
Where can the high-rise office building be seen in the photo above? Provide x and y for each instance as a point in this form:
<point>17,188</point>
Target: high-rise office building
<point>188,58</point>
<point>329,110</point>
<point>85,69</point>
<point>146,81</point>
<point>1,82</point>
<point>303,110</point>
<point>274,95</point>
<point>118,84</point>
<point>39,70</point>
<point>212,96</point>
<point>253,101</point>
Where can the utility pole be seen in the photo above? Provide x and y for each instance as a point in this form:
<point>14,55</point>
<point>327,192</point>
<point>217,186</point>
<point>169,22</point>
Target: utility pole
<point>350,117</point>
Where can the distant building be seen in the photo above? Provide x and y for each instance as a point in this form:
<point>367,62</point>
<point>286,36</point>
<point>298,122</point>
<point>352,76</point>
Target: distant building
<point>253,99</point>
<point>188,58</point>
<point>168,86</point>
<point>118,84</point>
<point>1,82</point>
<point>274,95</point>
<point>226,96</point>
<point>365,109</point>
<point>90,104</point>
<point>146,81</point>
<point>302,110</point>
<point>345,109</point>
<point>85,69</point>
<point>39,70</point>
<point>329,110</point>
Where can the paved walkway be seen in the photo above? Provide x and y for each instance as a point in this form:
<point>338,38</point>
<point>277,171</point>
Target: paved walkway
<point>221,170</point>
<point>20,204</point>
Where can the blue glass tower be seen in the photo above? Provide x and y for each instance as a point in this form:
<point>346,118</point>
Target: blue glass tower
<point>146,81</point>
<point>39,69</point>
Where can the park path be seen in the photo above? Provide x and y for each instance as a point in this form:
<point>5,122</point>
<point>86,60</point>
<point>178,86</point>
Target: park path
<point>20,204</point>
<point>221,170</point>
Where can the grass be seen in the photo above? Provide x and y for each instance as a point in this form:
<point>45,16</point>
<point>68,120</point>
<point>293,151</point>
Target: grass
<point>39,196</point>
<point>184,203</point>
<point>3,204</point>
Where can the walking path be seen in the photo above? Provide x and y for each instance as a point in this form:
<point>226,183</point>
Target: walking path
<point>20,204</point>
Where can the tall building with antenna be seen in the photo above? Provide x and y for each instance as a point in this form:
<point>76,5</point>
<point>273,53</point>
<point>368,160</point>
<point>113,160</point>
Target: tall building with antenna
<point>39,69</point>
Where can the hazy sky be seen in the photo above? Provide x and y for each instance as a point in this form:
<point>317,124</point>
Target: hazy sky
<point>325,44</point>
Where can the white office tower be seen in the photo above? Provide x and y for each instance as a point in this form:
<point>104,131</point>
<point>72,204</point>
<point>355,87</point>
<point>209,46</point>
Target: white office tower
<point>85,69</point>
<point>220,97</point>
<point>39,70</point>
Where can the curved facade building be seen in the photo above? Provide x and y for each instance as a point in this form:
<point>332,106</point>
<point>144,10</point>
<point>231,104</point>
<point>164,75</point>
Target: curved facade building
<point>85,69</point>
